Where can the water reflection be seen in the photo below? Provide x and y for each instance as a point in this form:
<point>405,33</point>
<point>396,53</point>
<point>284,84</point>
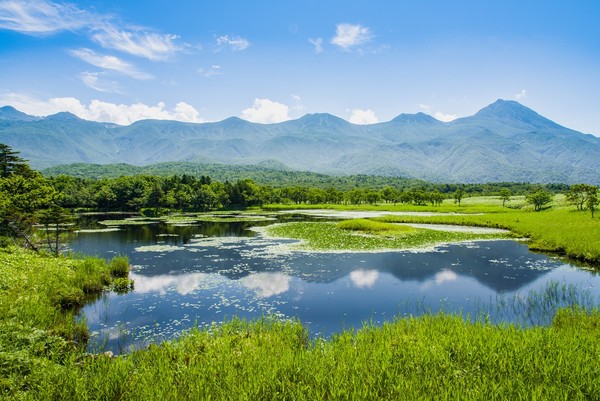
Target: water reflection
<point>364,278</point>
<point>267,284</point>
<point>204,273</point>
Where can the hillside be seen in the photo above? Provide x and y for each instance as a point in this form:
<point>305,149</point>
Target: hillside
<point>504,141</point>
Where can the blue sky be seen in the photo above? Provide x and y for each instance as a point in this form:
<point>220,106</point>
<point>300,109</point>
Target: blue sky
<point>269,61</point>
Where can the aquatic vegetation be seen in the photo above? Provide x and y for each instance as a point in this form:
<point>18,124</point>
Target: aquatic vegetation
<point>98,230</point>
<point>327,236</point>
<point>128,222</point>
<point>159,248</point>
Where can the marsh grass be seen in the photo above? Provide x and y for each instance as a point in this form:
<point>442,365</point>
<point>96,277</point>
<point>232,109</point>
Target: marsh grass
<point>430,357</point>
<point>563,230</point>
<point>39,299</point>
<point>371,236</point>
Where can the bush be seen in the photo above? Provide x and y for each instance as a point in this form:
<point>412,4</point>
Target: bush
<point>119,267</point>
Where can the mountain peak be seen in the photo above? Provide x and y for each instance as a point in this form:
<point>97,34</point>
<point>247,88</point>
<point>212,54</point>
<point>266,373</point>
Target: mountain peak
<point>418,118</point>
<point>9,113</point>
<point>63,116</point>
<point>322,119</point>
<point>511,111</point>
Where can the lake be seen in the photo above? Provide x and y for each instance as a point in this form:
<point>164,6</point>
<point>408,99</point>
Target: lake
<point>205,273</point>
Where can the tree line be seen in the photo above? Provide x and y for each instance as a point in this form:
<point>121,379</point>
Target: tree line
<point>28,200</point>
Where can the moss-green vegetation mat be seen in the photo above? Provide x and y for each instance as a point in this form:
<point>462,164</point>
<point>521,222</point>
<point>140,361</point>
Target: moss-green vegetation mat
<point>366,235</point>
<point>432,357</point>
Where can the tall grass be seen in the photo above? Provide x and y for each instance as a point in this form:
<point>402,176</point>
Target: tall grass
<point>39,298</point>
<point>563,230</point>
<point>431,357</point>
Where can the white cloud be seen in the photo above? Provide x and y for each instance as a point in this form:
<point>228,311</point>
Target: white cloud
<point>110,63</point>
<point>148,45</point>
<point>43,17</point>
<point>101,111</point>
<point>438,114</point>
<point>37,17</point>
<point>521,95</point>
<point>318,44</point>
<point>444,117</point>
<point>364,278</point>
<point>363,117</point>
<point>236,43</point>
<point>266,111</point>
<point>348,35</point>
<point>298,106</point>
<point>95,81</point>
<point>211,71</point>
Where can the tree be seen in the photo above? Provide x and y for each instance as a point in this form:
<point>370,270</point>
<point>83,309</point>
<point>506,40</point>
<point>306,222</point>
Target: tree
<point>458,195</point>
<point>539,199</point>
<point>578,194</point>
<point>592,201</point>
<point>9,161</point>
<point>56,222</point>
<point>505,195</point>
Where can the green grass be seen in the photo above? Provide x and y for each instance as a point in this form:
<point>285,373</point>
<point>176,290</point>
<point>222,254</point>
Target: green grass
<point>431,357</point>
<point>39,299</point>
<point>374,227</point>
<point>327,236</point>
<point>563,230</point>
<point>558,229</point>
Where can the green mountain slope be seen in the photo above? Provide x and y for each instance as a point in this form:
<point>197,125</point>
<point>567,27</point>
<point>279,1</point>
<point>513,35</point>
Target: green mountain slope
<point>504,141</point>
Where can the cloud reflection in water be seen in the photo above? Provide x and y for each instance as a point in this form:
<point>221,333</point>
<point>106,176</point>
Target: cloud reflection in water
<point>364,278</point>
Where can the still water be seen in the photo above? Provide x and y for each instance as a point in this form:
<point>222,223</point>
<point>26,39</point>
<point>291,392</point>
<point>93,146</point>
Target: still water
<point>198,274</point>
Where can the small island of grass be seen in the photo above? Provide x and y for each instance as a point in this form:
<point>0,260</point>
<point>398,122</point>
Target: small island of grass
<point>368,235</point>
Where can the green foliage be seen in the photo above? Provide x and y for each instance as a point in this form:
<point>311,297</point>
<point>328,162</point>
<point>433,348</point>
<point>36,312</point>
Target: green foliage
<point>119,267</point>
<point>539,199</point>
<point>39,297</point>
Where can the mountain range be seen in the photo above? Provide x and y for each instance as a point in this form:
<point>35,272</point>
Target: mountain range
<point>504,141</point>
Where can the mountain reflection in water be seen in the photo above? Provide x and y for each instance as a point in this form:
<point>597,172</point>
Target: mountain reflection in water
<point>204,273</point>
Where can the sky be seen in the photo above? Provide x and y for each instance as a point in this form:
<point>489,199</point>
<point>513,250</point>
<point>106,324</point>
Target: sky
<point>271,61</point>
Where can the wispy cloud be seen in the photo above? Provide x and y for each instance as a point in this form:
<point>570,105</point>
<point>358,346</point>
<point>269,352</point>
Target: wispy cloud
<point>266,111</point>
<point>44,17</point>
<point>40,17</point>
<point>110,63</point>
<point>349,35</point>
<point>96,81</point>
<point>318,44</point>
<point>363,117</point>
<point>211,71</point>
<point>148,45</point>
<point>521,95</point>
<point>235,43</point>
<point>97,110</point>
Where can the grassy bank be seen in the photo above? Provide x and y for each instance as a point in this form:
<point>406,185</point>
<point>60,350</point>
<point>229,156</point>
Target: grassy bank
<point>442,357</point>
<point>39,298</point>
<point>432,357</point>
<point>560,229</point>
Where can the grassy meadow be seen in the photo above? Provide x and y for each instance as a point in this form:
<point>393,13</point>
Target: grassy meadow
<point>559,229</point>
<point>42,342</point>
